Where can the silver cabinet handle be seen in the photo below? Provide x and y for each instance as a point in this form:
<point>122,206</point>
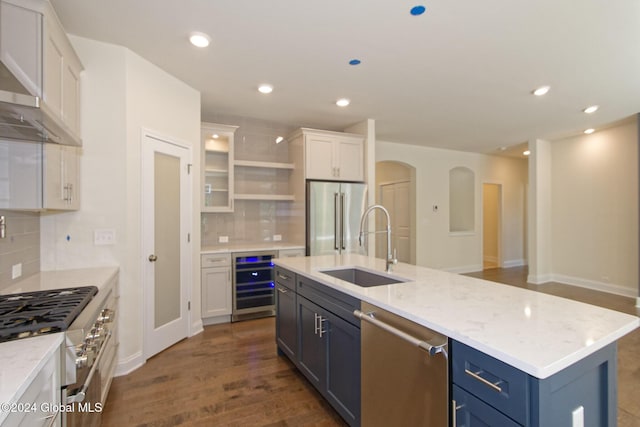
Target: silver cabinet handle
<point>432,349</point>
<point>335,221</point>
<point>315,323</point>
<point>454,412</point>
<point>283,277</point>
<point>51,419</point>
<point>282,290</point>
<point>153,258</point>
<point>321,323</point>
<point>476,375</point>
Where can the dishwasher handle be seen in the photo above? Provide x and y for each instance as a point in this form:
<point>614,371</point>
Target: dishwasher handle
<point>428,347</point>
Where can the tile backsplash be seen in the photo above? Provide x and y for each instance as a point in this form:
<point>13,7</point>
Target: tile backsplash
<point>253,221</point>
<point>20,246</point>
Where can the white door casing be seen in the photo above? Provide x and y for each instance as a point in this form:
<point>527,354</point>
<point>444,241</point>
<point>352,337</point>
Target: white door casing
<point>166,253</point>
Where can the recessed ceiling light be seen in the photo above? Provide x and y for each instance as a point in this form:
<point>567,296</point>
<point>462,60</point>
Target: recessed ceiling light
<point>343,102</point>
<point>265,88</point>
<point>279,140</point>
<point>589,131</point>
<point>591,109</point>
<point>215,136</point>
<point>417,10</point>
<point>526,152</point>
<point>542,90</point>
<point>199,39</point>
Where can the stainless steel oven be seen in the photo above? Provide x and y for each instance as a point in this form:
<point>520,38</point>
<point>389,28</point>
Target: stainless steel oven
<point>89,359</point>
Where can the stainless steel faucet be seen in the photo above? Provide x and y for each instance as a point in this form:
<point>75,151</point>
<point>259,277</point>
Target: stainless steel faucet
<point>391,259</point>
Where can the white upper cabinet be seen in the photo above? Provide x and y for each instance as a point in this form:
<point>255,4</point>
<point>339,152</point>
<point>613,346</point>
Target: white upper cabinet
<point>217,167</point>
<point>37,51</point>
<point>61,177</point>
<point>333,156</point>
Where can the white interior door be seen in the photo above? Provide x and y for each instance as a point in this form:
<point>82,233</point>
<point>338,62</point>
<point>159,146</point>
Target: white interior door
<point>395,198</point>
<point>166,216</point>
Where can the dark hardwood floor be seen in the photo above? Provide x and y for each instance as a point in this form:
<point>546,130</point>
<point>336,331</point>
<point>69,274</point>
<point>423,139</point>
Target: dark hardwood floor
<point>230,375</point>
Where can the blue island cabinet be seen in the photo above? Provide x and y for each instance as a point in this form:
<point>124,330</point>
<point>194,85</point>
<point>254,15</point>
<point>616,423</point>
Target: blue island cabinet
<point>327,339</point>
<point>488,392</point>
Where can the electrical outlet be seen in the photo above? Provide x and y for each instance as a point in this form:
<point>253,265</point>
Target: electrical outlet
<point>105,236</point>
<point>277,237</point>
<point>16,270</point>
<point>223,239</point>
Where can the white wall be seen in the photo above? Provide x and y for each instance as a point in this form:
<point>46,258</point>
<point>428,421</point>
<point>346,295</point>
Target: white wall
<point>540,246</point>
<point>435,246</point>
<point>122,94</point>
<point>594,209</point>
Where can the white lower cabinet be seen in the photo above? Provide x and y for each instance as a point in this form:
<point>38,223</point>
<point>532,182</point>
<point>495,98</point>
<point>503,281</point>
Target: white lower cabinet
<point>216,288</point>
<point>42,397</point>
<point>291,253</point>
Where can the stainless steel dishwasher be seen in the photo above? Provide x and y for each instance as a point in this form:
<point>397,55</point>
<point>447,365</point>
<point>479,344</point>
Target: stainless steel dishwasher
<point>404,371</point>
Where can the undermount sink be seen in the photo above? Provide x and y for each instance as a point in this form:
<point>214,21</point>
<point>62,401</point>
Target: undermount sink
<point>362,278</point>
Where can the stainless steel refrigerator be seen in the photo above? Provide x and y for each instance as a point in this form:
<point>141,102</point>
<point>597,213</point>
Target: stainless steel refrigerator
<point>333,211</point>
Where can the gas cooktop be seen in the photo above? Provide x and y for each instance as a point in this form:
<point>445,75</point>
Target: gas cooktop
<point>34,313</point>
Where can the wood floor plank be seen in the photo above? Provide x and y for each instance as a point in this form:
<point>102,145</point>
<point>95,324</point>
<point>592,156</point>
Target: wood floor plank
<point>231,375</point>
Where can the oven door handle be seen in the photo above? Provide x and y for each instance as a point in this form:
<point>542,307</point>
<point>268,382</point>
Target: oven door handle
<point>82,392</point>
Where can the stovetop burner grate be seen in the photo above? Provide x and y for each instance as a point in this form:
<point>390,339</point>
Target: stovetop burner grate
<point>34,313</point>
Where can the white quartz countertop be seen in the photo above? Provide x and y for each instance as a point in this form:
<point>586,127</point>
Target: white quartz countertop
<point>21,360</point>
<point>537,333</point>
<point>247,247</point>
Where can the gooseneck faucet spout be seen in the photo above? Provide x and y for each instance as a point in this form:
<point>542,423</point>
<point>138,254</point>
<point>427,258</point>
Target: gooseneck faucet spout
<point>391,259</point>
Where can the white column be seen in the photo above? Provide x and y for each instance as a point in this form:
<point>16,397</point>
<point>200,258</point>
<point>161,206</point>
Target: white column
<point>539,212</point>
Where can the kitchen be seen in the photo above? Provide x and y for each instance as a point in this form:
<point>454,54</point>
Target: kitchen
<point>135,94</point>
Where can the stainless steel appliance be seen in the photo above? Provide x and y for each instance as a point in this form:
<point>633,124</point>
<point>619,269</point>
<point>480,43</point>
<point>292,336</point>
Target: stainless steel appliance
<point>404,369</point>
<point>333,211</point>
<point>253,285</point>
<point>86,316</point>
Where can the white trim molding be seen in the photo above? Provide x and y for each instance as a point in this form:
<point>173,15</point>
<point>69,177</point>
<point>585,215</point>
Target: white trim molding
<point>595,285</point>
<point>196,327</point>
<point>464,269</point>
<point>539,279</point>
<point>638,302</point>
<point>514,263</point>
<point>129,364</point>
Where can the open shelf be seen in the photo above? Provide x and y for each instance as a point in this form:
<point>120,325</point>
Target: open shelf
<point>271,165</point>
<point>273,197</point>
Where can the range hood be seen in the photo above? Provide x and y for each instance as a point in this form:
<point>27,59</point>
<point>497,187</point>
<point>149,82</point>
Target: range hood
<point>23,117</point>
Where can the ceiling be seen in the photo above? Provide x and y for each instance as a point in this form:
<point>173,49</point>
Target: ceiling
<point>459,76</point>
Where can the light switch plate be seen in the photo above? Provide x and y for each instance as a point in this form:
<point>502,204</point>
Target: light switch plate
<point>277,237</point>
<point>16,270</point>
<point>104,236</point>
<point>223,239</point>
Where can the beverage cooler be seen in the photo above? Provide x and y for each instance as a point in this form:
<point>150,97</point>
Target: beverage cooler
<point>253,285</point>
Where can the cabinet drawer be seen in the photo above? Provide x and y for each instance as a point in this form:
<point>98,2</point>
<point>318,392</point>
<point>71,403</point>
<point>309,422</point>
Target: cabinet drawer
<point>471,412</point>
<point>291,253</point>
<point>286,278</point>
<point>215,260</point>
<point>497,383</point>
<point>338,303</point>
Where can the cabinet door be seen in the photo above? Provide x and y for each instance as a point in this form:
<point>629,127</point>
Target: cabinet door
<point>469,411</point>
<point>61,177</point>
<point>53,69</point>
<point>319,155</point>
<point>71,97</point>
<point>286,327</point>
<point>350,160</point>
<point>217,168</point>
<point>343,367</point>
<point>311,350</point>
<point>216,292</point>
<point>21,46</point>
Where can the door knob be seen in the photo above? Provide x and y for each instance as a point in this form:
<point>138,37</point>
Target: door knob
<point>153,258</point>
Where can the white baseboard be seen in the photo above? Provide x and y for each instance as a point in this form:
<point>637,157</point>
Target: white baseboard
<point>513,263</point>
<point>216,320</point>
<point>595,285</point>
<point>196,328</point>
<point>638,302</point>
<point>129,364</point>
<point>490,259</point>
<point>539,279</point>
<point>465,269</point>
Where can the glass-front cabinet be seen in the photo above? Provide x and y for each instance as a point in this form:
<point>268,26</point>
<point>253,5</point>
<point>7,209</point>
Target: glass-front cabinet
<point>217,167</point>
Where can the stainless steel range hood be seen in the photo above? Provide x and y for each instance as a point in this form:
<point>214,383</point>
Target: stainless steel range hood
<point>23,117</point>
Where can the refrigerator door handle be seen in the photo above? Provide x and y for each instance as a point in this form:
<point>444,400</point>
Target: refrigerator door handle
<point>342,220</point>
<point>335,222</point>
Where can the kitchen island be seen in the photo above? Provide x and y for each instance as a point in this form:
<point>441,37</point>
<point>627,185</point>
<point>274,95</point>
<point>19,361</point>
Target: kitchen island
<point>539,335</point>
